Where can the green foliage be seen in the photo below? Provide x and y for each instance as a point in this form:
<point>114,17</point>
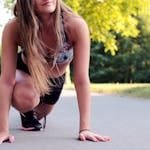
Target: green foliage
<point>8,3</point>
<point>108,17</point>
<point>116,27</point>
<point>130,64</point>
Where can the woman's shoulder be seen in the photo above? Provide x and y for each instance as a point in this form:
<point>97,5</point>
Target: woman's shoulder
<point>12,25</point>
<point>76,25</point>
<point>11,29</point>
<point>76,21</point>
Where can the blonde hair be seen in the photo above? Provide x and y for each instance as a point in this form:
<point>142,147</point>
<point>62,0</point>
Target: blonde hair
<point>32,44</point>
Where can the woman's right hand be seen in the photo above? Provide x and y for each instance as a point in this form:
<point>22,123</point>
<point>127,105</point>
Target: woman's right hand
<point>5,137</point>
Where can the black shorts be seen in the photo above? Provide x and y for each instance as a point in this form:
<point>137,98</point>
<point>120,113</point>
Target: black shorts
<point>55,92</point>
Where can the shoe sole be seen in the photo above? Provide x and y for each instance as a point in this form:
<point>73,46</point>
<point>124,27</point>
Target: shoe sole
<point>30,129</point>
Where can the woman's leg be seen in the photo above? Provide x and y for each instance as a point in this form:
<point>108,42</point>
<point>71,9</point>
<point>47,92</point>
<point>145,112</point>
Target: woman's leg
<point>25,99</point>
<point>43,110</point>
<point>48,101</point>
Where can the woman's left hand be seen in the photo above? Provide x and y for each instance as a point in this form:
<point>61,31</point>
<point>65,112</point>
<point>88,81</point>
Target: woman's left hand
<point>88,135</point>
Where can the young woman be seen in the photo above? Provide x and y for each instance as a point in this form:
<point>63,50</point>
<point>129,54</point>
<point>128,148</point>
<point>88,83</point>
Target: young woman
<point>49,36</point>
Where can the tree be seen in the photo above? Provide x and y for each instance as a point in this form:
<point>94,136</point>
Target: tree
<point>107,17</point>
<point>130,64</point>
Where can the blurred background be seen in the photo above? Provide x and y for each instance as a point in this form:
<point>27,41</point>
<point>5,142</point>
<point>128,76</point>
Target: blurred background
<point>120,44</point>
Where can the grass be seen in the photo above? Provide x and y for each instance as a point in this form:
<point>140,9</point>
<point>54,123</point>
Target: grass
<point>135,90</point>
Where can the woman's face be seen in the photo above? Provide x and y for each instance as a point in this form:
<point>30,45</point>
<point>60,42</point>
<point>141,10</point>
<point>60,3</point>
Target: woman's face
<point>45,6</point>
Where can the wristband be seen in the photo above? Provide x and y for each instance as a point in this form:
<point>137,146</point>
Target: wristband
<point>84,130</point>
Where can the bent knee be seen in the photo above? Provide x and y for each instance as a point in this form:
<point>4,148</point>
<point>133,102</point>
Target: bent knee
<point>25,97</point>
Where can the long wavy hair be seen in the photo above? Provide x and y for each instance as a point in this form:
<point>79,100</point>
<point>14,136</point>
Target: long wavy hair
<point>32,44</point>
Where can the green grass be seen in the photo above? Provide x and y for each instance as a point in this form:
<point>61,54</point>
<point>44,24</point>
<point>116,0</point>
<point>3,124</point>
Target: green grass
<point>135,90</point>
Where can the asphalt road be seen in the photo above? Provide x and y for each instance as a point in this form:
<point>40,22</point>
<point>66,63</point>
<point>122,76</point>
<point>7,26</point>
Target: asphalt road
<point>126,120</point>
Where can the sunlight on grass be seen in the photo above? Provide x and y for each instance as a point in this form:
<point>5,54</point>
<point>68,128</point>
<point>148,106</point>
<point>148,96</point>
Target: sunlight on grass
<point>137,90</point>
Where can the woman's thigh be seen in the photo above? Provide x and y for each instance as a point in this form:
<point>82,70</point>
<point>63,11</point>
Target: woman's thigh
<point>24,96</point>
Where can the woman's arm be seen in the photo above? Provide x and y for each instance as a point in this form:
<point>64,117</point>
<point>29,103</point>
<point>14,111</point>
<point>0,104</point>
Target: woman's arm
<point>81,72</point>
<point>7,79</point>
<point>81,79</point>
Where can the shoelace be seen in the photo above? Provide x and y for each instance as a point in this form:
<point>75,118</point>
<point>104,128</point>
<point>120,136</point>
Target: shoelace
<point>44,122</point>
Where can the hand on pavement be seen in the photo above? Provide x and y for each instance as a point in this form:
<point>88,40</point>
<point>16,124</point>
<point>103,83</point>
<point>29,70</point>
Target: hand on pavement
<point>88,135</point>
<point>4,137</point>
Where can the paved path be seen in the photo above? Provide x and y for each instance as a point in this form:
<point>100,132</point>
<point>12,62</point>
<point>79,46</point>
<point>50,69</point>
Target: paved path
<point>125,119</point>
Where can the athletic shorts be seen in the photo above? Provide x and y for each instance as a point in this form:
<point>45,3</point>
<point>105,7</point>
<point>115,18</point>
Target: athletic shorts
<point>52,97</point>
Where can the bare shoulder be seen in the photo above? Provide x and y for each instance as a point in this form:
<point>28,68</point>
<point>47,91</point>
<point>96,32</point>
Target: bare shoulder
<point>11,29</point>
<point>77,26</point>
<point>12,25</point>
<point>76,21</point>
